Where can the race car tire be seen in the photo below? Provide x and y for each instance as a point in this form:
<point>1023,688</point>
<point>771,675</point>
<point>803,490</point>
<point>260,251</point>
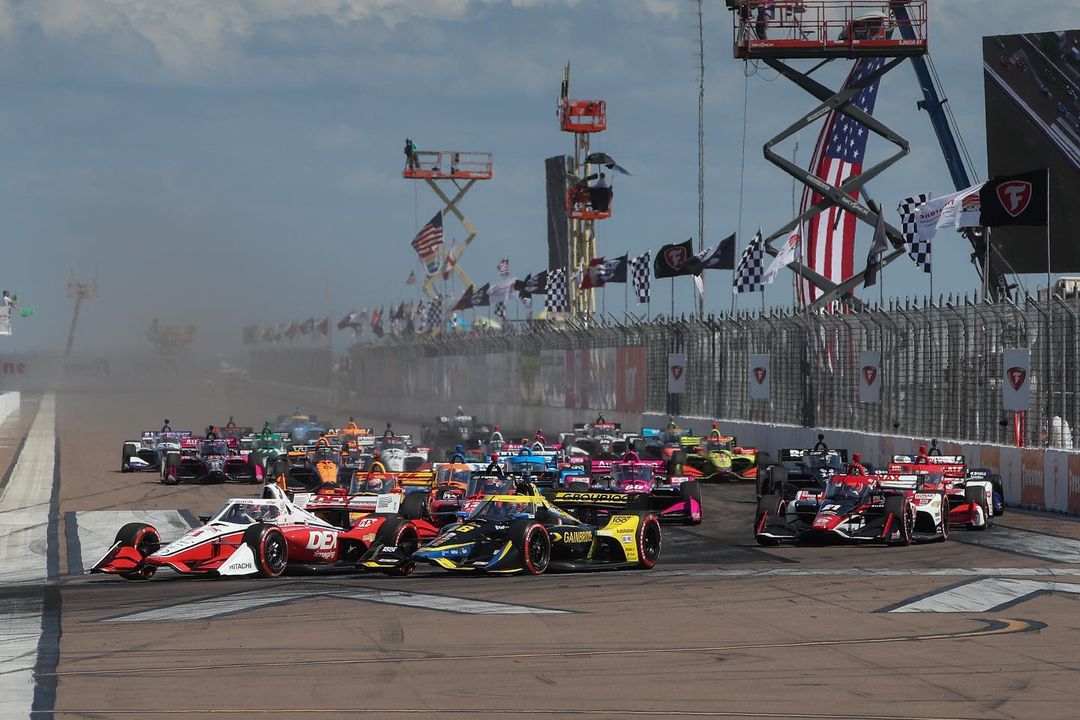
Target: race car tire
<point>125,461</point>
<point>690,490</point>
<point>145,539</point>
<point>897,507</point>
<point>579,486</point>
<point>399,532</point>
<point>944,529</point>
<point>771,481</point>
<point>977,496</point>
<point>767,505</point>
<point>270,548</point>
<point>532,541</point>
<point>170,474</point>
<point>650,541</point>
<point>998,491</point>
<point>414,506</point>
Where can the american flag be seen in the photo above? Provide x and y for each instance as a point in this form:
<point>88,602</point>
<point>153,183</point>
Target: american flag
<point>428,244</point>
<point>829,248</point>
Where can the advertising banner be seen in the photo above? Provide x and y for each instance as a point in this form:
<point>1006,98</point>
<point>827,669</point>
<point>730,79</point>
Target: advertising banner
<point>676,373</point>
<point>759,378</point>
<point>1015,383</point>
<point>630,379</point>
<point>869,376</point>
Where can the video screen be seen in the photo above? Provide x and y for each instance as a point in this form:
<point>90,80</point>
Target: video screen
<point>1032,87</point>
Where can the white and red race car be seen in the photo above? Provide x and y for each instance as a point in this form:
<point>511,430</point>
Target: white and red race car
<point>265,537</point>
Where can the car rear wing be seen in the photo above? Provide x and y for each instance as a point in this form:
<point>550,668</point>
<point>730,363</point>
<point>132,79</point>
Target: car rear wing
<point>385,503</point>
<point>411,481</point>
<point>590,498</point>
<point>614,427</point>
<point>930,459</point>
<point>899,482</point>
<point>797,454</point>
<point>169,435</point>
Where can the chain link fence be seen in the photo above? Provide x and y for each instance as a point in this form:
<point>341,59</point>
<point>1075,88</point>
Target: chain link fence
<point>941,369</point>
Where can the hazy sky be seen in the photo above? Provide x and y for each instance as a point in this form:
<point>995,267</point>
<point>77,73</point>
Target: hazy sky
<point>224,162</point>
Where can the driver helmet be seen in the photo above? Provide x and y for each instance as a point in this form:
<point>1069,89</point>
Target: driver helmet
<point>491,486</point>
<point>375,483</point>
<point>460,411</point>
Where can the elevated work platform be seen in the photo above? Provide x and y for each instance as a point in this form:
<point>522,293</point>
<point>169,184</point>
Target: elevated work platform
<point>828,29</point>
<point>583,116</point>
<point>448,165</point>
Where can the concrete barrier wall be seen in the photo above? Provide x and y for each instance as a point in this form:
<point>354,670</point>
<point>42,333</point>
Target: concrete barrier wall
<point>9,404</point>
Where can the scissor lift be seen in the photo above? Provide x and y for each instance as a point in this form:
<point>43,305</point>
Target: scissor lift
<point>582,118</point>
<point>454,167</point>
<point>827,30</point>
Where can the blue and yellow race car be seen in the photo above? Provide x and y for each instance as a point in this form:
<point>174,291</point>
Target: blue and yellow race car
<point>531,534</point>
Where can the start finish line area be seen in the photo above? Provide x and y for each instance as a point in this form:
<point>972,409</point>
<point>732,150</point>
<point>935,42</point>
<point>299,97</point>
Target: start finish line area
<point>978,627</point>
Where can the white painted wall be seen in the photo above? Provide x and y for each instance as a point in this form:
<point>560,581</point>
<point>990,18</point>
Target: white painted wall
<point>9,404</point>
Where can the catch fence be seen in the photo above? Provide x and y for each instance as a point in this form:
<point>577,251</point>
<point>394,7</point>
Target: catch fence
<point>940,373</point>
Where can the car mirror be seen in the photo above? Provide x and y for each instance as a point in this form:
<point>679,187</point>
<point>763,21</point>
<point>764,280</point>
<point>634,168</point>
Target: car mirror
<point>204,519</point>
<point>461,514</point>
<point>521,516</point>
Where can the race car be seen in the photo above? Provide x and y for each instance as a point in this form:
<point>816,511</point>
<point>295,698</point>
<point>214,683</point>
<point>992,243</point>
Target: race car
<point>641,483</point>
<point>975,496</point>
<point>459,487</point>
<point>893,509</point>
<point>148,452</point>
<point>207,460</point>
<point>449,431</point>
<point>800,469</point>
<point>720,457</point>
<point>302,428</point>
<point>266,537</point>
<point>601,440</point>
<point>266,447</point>
<point>313,466</point>
<point>529,534</point>
<point>345,505</point>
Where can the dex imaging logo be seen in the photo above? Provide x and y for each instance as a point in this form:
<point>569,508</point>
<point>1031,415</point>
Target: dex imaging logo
<point>1015,196</point>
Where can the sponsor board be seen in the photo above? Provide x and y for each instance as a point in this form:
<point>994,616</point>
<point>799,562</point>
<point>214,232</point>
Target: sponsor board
<point>1032,490</point>
<point>1015,380</point>
<point>869,376</point>
<point>759,378</point>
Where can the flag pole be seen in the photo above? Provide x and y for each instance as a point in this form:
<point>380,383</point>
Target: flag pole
<point>673,297</point>
<point>1048,292</point>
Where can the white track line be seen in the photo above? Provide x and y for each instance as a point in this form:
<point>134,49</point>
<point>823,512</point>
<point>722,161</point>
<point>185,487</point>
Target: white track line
<point>24,524</point>
<point>255,599</point>
<point>985,595</point>
<point>1045,547</point>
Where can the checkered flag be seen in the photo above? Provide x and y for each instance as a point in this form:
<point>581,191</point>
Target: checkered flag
<point>640,271</point>
<point>917,247</point>
<point>556,300</point>
<point>749,275</point>
<point>434,313</point>
<point>500,310</point>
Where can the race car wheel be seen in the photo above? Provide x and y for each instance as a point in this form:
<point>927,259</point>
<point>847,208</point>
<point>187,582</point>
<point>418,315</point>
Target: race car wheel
<point>144,538</point>
<point>170,474</point>
<point>691,491</point>
<point>533,542</point>
<point>977,496</point>
<point>125,460</point>
<point>649,541</point>
<point>771,480</point>
<point>998,493</point>
<point>414,506</point>
<point>902,520</point>
<point>767,505</point>
<point>944,529</point>
<point>269,547</point>
<point>399,533</point>
<point>579,486</point>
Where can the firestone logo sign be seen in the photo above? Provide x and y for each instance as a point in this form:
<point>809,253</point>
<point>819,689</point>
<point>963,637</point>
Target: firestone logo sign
<point>675,257</point>
<point>1017,376</point>
<point>1015,196</point>
<point>870,373</point>
<point>676,371</point>
<point>760,374</point>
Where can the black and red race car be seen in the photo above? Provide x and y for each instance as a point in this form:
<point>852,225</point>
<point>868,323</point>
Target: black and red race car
<point>856,506</point>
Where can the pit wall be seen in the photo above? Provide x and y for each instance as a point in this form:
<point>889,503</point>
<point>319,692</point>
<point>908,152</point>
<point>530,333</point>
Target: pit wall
<point>1034,478</point>
<point>9,404</point>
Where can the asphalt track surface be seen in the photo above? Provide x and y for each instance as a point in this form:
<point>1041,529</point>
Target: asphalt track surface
<point>984,626</point>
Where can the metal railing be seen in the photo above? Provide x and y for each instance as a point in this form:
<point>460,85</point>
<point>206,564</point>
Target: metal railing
<point>941,367</point>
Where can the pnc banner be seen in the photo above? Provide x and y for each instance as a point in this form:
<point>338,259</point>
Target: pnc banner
<point>869,376</point>
<point>760,377</point>
<point>676,373</point>
<point>1015,380</point>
